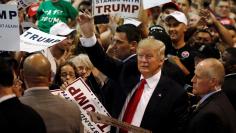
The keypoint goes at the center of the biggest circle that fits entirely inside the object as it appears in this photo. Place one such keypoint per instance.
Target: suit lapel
(158, 94)
(205, 102)
(11, 101)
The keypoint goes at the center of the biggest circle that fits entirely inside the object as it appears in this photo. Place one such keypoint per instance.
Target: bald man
(214, 112)
(59, 115)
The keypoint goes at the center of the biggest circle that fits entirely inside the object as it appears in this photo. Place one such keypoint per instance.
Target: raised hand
(66, 55)
(85, 21)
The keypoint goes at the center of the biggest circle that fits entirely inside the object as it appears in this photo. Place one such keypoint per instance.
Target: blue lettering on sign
(38, 38)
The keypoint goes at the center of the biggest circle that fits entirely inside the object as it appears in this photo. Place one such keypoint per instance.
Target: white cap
(61, 29)
(179, 16)
(132, 21)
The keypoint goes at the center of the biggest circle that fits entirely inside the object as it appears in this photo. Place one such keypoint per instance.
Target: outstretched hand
(85, 21)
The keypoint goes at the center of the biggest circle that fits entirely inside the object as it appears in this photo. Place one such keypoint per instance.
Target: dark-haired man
(229, 61)
(182, 52)
(15, 116)
(184, 5)
(124, 42)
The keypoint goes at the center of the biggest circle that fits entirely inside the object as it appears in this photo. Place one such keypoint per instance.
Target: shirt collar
(152, 81)
(6, 97)
(204, 97)
(36, 88)
(230, 74)
(129, 57)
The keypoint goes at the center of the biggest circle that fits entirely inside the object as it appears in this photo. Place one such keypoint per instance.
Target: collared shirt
(147, 93)
(6, 97)
(204, 97)
(37, 88)
(88, 42)
(48, 54)
(129, 57)
(231, 74)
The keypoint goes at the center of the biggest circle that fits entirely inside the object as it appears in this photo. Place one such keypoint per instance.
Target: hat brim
(66, 32)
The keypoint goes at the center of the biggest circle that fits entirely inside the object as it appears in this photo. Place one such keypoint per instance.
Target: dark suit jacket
(214, 115)
(16, 117)
(230, 89)
(166, 111)
(174, 72)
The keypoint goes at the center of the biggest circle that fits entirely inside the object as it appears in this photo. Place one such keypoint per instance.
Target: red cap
(33, 9)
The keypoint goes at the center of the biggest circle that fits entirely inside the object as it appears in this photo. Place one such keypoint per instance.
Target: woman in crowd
(66, 73)
(89, 74)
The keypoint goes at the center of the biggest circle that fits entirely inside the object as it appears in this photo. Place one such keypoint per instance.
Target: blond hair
(154, 44)
(82, 60)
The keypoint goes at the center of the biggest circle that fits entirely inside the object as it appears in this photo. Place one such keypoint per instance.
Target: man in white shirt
(162, 105)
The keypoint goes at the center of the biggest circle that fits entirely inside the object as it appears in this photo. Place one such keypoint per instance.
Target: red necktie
(133, 103)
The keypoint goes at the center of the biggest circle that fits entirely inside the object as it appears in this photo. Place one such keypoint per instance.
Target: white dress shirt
(6, 97)
(204, 97)
(47, 53)
(88, 42)
(146, 95)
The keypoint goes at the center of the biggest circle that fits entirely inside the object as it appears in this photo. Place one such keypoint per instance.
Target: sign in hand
(99, 118)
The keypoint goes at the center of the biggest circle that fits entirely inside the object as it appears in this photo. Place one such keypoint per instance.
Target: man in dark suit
(214, 112)
(163, 103)
(59, 115)
(229, 61)
(15, 116)
(123, 48)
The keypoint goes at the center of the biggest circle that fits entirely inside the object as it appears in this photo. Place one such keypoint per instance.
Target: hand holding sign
(124, 9)
(25, 3)
(78, 92)
(34, 40)
(99, 118)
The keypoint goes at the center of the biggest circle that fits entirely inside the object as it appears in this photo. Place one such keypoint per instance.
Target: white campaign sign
(9, 28)
(85, 99)
(152, 3)
(124, 8)
(25, 3)
(35, 40)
